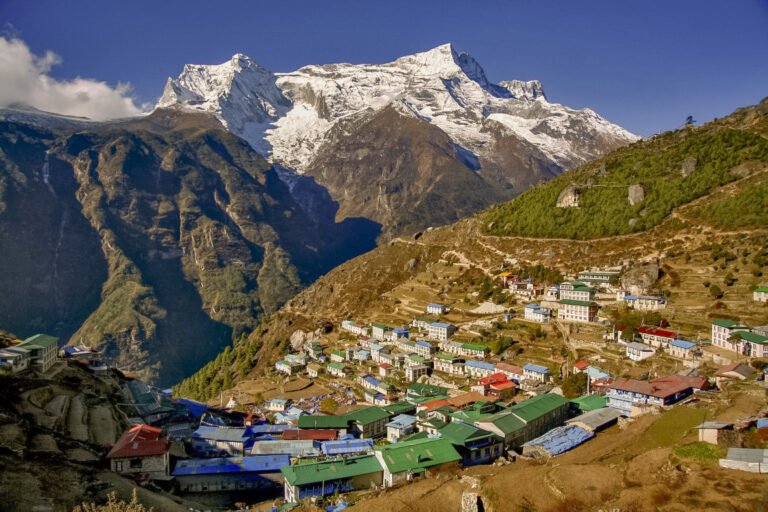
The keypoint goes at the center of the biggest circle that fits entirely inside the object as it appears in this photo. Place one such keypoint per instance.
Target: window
(136, 464)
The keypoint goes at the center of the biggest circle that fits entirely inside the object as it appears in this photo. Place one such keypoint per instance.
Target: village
(434, 395)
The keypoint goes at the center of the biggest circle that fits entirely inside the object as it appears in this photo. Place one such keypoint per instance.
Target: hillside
(694, 249)
(155, 240)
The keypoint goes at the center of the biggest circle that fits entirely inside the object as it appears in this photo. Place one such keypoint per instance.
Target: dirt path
(101, 426)
(76, 419)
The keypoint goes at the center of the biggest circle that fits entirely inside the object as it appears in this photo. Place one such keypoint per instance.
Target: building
(437, 309)
(464, 349)
(380, 331)
(15, 359)
(536, 313)
(760, 294)
(331, 426)
(140, 451)
(230, 473)
(440, 330)
(278, 404)
(400, 332)
(631, 397)
(337, 369)
(723, 330)
(330, 477)
(448, 363)
(655, 337)
(296, 449)
(557, 441)
(354, 328)
(527, 420)
(410, 459)
(648, 303)
(752, 460)
(513, 372)
(682, 349)
(475, 445)
(415, 372)
(735, 371)
(401, 425)
(599, 277)
(424, 348)
(476, 369)
(577, 310)
(368, 422)
(751, 344)
(536, 372)
(314, 370)
(346, 447)
(710, 431)
(42, 351)
(222, 441)
(288, 367)
(639, 351)
(596, 419)
(576, 291)
(526, 290)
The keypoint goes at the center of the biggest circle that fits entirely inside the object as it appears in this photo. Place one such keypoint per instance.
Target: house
(599, 277)
(354, 328)
(368, 422)
(557, 441)
(513, 372)
(230, 473)
(502, 390)
(42, 351)
(723, 330)
(77, 353)
(405, 345)
(338, 356)
(473, 350)
(415, 372)
(314, 350)
(710, 431)
(448, 363)
(552, 294)
(399, 332)
(596, 419)
(415, 360)
(475, 368)
(230, 441)
(372, 383)
(422, 322)
(361, 355)
(15, 359)
(376, 351)
(760, 294)
(751, 344)
(536, 313)
(401, 425)
(380, 331)
(385, 370)
(475, 445)
(508, 277)
(527, 420)
(682, 349)
(290, 416)
(298, 449)
(346, 447)
(337, 425)
(337, 369)
(140, 451)
(424, 348)
(649, 303)
(278, 404)
(639, 351)
(577, 311)
(440, 330)
(314, 370)
(596, 373)
(631, 397)
(419, 393)
(313, 434)
(437, 309)
(580, 366)
(409, 459)
(576, 291)
(655, 337)
(526, 290)
(536, 372)
(330, 477)
(588, 403)
(735, 371)
(752, 460)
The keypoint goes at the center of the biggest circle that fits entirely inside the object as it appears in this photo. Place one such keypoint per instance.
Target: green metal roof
(381, 326)
(470, 346)
(752, 337)
(418, 454)
(416, 358)
(505, 421)
(571, 302)
(426, 389)
(367, 415)
(340, 353)
(39, 341)
(726, 323)
(330, 470)
(590, 402)
(460, 433)
(538, 406)
(763, 289)
(399, 408)
(318, 421)
(446, 356)
(338, 366)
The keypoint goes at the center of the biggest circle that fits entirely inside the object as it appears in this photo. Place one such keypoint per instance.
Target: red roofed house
(580, 366)
(305, 434)
(140, 451)
(502, 390)
(735, 371)
(630, 396)
(654, 337)
(512, 371)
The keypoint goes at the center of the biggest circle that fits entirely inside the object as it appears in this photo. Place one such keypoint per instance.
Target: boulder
(569, 197)
(640, 278)
(635, 194)
(689, 165)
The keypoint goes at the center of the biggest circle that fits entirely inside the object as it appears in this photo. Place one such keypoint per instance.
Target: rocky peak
(524, 90)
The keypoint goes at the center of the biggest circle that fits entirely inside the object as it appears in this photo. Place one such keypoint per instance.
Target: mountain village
(426, 398)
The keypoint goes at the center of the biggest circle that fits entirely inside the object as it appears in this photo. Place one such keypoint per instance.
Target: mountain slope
(308, 121)
(163, 236)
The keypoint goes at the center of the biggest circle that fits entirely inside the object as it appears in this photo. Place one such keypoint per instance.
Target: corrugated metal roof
(347, 446)
(418, 454)
(231, 434)
(561, 439)
(328, 471)
(597, 418)
(536, 368)
(224, 465)
(751, 455)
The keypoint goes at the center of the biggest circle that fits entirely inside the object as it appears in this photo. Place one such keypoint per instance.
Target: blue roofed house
(479, 368)
(400, 332)
(536, 313)
(400, 426)
(347, 447)
(536, 372)
(596, 373)
(682, 349)
(424, 348)
(277, 404)
(230, 473)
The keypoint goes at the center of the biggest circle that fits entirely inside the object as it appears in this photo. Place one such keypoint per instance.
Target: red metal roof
(661, 387)
(385, 365)
(309, 434)
(493, 378)
(139, 441)
(503, 386)
(653, 331)
(509, 368)
(581, 365)
(434, 404)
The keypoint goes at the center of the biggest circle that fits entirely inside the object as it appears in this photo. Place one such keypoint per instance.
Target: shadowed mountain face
(156, 240)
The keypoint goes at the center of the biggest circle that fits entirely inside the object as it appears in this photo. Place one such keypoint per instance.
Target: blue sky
(645, 65)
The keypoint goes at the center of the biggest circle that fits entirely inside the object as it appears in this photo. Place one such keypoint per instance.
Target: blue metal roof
(424, 343)
(223, 433)
(347, 446)
(371, 380)
(687, 345)
(400, 330)
(561, 439)
(441, 325)
(434, 305)
(223, 465)
(536, 368)
(596, 373)
(532, 306)
(375, 346)
(479, 364)
(402, 420)
(267, 428)
(197, 409)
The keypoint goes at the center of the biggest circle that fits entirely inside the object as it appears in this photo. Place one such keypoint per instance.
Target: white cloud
(24, 79)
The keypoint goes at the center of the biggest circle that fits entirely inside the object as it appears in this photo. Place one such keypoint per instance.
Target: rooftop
(330, 470)
(139, 441)
(418, 454)
(223, 465)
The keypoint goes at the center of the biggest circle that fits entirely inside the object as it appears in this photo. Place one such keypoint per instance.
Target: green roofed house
(330, 477)
(527, 420)
(752, 344)
(405, 460)
(318, 421)
(475, 445)
(369, 422)
(337, 369)
(588, 403)
(42, 349)
(400, 408)
(760, 294)
(416, 392)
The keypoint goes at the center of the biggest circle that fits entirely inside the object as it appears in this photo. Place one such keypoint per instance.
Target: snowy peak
(522, 90)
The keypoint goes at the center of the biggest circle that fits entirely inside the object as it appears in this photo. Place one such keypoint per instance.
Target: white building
(414, 372)
(536, 372)
(722, 330)
(639, 351)
(760, 294)
(354, 328)
(448, 363)
(576, 290)
(337, 369)
(424, 348)
(577, 311)
(536, 313)
(437, 309)
(440, 330)
(655, 337)
(42, 351)
(381, 332)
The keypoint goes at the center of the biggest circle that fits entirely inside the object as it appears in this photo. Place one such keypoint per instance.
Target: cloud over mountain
(25, 79)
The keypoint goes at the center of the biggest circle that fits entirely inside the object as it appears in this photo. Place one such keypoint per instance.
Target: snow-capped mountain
(287, 116)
